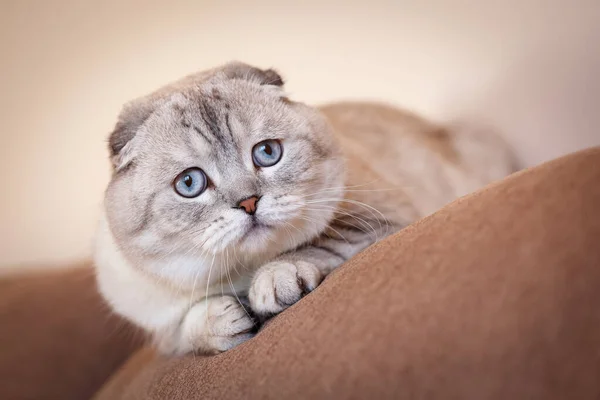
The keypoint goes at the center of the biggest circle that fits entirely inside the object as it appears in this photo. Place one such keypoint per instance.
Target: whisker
(352, 191)
(236, 295)
(305, 235)
(366, 225)
(240, 262)
(316, 221)
(345, 187)
(221, 272)
(207, 286)
(355, 202)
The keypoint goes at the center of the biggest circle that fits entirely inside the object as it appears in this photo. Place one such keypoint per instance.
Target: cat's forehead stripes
(210, 117)
(187, 124)
(213, 126)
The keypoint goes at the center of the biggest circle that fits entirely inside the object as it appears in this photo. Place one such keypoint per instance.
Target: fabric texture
(57, 338)
(495, 296)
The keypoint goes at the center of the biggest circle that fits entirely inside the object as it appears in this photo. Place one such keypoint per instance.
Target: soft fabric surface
(57, 338)
(495, 296)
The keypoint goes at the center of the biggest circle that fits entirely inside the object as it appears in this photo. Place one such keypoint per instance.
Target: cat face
(221, 162)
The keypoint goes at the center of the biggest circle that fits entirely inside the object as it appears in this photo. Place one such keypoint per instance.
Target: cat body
(224, 188)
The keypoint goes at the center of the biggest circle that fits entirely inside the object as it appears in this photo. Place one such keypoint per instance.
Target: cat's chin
(257, 239)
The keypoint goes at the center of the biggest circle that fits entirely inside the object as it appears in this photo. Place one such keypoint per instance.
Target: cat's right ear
(240, 70)
(121, 143)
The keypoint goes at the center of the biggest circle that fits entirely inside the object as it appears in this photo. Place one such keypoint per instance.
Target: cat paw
(216, 325)
(279, 284)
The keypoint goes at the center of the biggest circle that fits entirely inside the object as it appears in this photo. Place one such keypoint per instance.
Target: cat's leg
(283, 281)
(210, 326)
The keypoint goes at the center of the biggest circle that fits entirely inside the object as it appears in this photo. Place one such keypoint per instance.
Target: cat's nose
(248, 204)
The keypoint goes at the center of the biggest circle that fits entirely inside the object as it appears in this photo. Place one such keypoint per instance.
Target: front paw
(279, 284)
(216, 325)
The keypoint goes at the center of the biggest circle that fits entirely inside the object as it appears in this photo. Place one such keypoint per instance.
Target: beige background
(527, 68)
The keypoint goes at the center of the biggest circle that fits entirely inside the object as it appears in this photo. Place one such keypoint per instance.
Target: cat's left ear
(239, 70)
(121, 142)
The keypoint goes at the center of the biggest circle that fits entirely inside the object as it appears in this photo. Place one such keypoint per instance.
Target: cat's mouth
(257, 225)
(256, 229)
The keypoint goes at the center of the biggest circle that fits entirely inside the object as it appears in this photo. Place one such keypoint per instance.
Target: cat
(223, 187)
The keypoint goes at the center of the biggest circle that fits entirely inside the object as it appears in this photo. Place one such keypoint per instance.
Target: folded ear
(239, 70)
(120, 141)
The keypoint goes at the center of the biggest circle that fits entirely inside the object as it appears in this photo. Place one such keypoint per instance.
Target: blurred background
(529, 69)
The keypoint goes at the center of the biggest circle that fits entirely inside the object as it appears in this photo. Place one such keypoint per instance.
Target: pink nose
(249, 204)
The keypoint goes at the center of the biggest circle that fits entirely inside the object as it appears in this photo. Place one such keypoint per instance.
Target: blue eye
(267, 153)
(190, 183)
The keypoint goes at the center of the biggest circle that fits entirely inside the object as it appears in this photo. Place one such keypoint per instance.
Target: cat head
(221, 160)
